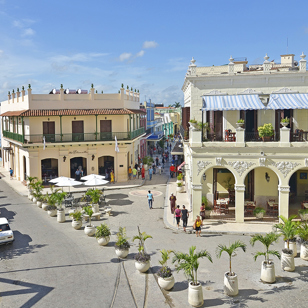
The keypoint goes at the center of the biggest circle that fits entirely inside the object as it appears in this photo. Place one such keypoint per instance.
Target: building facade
(225, 160)
(49, 135)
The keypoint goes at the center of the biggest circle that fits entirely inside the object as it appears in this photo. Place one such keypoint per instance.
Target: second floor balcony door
(49, 131)
(77, 131)
(105, 130)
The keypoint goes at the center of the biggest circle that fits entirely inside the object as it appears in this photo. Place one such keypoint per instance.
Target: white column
(285, 137)
(284, 192)
(266, 65)
(239, 202)
(240, 137)
(302, 63)
(196, 194)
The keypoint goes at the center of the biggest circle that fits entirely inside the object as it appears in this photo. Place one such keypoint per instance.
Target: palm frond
(258, 254)
(274, 253)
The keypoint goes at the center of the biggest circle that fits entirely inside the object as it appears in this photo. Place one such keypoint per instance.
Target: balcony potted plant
(230, 278)
(179, 178)
(285, 122)
(240, 123)
(268, 266)
(102, 234)
(303, 214)
(95, 195)
(266, 131)
(77, 219)
(189, 264)
(60, 212)
(193, 123)
(122, 245)
(165, 277)
(89, 229)
(288, 229)
(259, 212)
(303, 234)
(142, 259)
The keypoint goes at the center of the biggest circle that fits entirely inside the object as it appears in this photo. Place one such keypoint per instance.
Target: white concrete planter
(145, 167)
(52, 213)
(260, 215)
(287, 262)
(179, 181)
(179, 188)
(30, 196)
(107, 210)
(268, 272)
(95, 208)
(142, 267)
(195, 295)
(89, 230)
(292, 246)
(76, 224)
(240, 125)
(44, 206)
(304, 217)
(34, 200)
(103, 241)
(230, 284)
(207, 214)
(60, 216)
(39, 203)
(284, 124)
(304, 252)
(121, 253)
(166, 283)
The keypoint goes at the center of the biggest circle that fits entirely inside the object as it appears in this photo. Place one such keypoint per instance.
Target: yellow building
(49, 135)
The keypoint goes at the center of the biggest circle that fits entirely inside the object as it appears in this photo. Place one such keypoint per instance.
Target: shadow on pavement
(9, 215)
(213, 302)
(39, 291)
(116, 213)
(120, 202)
(116, 196)
(19, 247)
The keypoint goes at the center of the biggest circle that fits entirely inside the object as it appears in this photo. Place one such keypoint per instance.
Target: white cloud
(28, 32)
(149, 44)
(125, 56)
(78, 57)
(140, 53)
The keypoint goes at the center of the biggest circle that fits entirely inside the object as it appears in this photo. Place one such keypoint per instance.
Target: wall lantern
(267, 177)
(93, 156)
(204, 177)
(64, 159)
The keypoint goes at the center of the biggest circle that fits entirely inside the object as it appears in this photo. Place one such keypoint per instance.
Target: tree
(177, 105)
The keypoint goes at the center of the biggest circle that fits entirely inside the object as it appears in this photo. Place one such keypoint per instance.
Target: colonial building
(223, 160)
(49, 135)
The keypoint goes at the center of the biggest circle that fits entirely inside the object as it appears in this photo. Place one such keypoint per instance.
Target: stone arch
(49, 168)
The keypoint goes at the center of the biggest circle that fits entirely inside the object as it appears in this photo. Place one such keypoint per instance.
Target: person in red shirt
(172, 170)
(177, 215)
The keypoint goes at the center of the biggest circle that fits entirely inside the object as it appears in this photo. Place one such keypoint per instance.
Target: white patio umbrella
(68, 183)
(95, 181)
(92, 176)
(58, 179)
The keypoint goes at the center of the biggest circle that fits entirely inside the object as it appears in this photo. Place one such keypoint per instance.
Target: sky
(146, 45)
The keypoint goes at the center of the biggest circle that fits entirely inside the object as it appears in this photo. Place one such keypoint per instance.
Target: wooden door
(215, 183)
(218, 117)
(105, 130)
(49, 131)
(77, 131)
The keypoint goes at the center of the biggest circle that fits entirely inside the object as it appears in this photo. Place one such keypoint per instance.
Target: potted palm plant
(189, 264)
(37, 192)
(95, 195)
(207, 209)
(259, 212)
(288, 229)
(89, 229)
(60, 212)
(266, 131)
(102, 234)
(303, 234)
(30, 182)
(142, 259)
(77, 219)
(230, 279)
(165, 277)
(122, 245)
(268, 266)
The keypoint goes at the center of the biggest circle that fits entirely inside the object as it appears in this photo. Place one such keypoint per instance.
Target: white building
(260, 171)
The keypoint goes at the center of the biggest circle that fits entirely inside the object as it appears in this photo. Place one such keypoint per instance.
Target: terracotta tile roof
(71, 112)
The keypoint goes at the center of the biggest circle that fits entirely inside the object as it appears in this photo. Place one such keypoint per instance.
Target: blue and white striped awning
(288, 101)
(231, 102)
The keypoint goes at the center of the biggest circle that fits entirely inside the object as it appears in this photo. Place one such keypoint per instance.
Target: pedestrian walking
(202, 211)
(138, 172)
(185, 216)
(159, 168)
(172, 203)
(112, 177)
(156, 161)
(150, 173)
(177, 215)
(143, 173)
(163, 162)
(197, 226)
(11, 174)
(172, 170)
(130, 172)
(134, 173)
(150, 199)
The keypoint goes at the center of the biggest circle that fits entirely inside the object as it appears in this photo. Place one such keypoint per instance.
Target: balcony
(79, 137)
